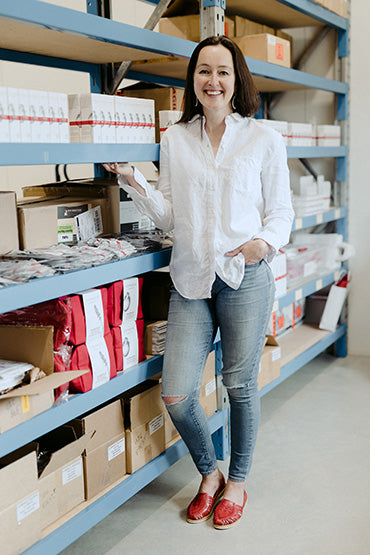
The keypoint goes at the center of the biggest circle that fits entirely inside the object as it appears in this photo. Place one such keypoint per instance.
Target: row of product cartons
(28, 116)
(101, 118)
(306, 134)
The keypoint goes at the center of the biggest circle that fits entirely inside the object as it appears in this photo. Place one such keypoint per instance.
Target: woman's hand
(253, 251)
(120, 168)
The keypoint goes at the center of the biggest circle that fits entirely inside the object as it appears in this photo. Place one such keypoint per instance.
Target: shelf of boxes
(282, 13)
(35, 32)
(65, 531)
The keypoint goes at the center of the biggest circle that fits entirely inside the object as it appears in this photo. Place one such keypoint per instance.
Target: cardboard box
(144, 422)
(244, 26)
(101, 191)
(270, 362)
(34, 345)
(61, 482)
(337, 6)
(266, 47)
(8, 222)
(165, 98)
(105, 457)
(20, 515)
(188, 27)
(208, 393)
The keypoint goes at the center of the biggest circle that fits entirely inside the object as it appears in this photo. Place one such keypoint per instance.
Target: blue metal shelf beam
(38, 290)
(291, 367)
(47, 61)
(315, 284)
(103, 506)
(17, 154)
(329, 216)
(67, 21)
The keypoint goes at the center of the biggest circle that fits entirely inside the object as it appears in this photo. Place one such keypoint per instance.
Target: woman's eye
(224, 73)
(203, 71)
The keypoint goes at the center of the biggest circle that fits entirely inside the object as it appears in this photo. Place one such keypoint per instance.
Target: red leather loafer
(228, 513)
(203, 505)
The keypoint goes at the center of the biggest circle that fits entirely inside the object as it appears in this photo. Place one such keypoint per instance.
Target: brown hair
(246, 99)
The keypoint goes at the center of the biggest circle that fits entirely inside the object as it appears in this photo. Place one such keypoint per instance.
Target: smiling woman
(224, 190)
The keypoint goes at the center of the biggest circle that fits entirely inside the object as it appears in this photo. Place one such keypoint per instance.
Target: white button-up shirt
(214, 204)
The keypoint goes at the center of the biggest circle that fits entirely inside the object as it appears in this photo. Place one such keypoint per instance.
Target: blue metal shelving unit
(64, 23)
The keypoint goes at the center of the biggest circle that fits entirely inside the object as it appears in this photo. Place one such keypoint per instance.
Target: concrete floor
(308, 492)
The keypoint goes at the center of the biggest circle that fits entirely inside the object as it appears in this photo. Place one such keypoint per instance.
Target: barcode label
(156, 424)
(89, 224)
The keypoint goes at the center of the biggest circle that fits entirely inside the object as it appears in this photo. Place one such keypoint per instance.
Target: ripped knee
(174, 400)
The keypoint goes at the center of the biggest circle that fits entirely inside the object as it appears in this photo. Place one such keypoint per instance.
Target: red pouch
(126, 352)
(80, 360)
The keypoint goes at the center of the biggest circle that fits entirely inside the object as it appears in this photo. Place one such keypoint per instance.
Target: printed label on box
(100, 362)
(130, 299)
(210, 387)
(276, 354)
(156, 424)
(279, 51)
(130, 344)
(71, 472)
(28, 506)
(66, 221)
(89, 224)
(25, 403)
(94, 314)
(116, 449)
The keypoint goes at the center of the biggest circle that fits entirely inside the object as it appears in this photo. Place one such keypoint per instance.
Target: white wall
(359, 178)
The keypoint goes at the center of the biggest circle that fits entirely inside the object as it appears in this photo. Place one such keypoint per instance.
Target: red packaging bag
(124, 301)
(96, 356)
(129, 344)
(56, 313)
(89, 315)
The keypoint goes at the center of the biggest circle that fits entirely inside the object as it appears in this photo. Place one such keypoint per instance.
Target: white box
(121, 119)
(92, 117)
(307, 186)
(279, 270)
(149, 123)
(301, 134)
(53, 117)
(62, 117)
(25, 115)
(309, 205)
(14, 115)
(327, 135)
(279, 126)
(167, 118)
(4, 121)
(74, 115)
(108, 133)
(39, 107)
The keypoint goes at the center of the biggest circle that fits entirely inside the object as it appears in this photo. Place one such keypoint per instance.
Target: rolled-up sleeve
(279, 214)
(157, 205)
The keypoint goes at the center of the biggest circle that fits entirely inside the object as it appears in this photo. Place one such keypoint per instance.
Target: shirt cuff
(140, 179)
(265, 236)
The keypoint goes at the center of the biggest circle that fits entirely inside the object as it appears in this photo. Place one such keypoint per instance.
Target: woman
(221, 173)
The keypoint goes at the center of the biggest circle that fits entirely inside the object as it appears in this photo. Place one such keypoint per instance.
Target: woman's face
(214, 79)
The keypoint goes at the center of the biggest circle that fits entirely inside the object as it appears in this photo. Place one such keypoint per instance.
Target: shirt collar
(234, 116)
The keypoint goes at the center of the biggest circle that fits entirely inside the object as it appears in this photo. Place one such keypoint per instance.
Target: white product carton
(279, 126)
(14, 115)
(279, 271)
(307, 186)
(25, 115)
(327, 135)
(74, 116)
(301, 134)
(133, 120)
(324, 188)
(4, 121)
(108, 134)
(310, 205)
(62, 118)
(39, 107)
(167, 118)
(149, 125)
(120, 119)
(92, 117)
(53, 117)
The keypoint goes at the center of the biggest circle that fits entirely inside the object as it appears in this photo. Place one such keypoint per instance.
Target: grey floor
(308, 493)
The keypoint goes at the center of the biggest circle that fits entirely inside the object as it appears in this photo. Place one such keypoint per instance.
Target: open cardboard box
(33, 344)
(270, 362)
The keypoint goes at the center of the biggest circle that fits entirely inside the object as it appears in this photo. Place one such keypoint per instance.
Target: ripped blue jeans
(242, 316)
